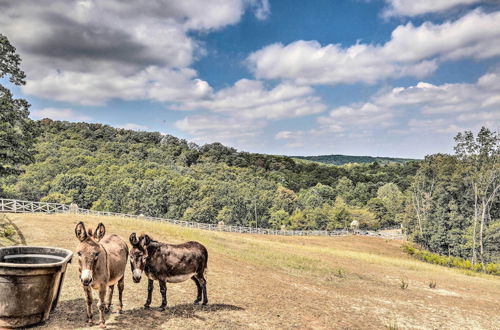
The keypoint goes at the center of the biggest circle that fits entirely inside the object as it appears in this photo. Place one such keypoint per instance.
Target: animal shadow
(155, 318)
(70, 314)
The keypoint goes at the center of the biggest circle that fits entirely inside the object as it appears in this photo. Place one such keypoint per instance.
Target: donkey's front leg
(150, 293)
(88, 302)
(102, 305)
(163, 290)
(109, 298)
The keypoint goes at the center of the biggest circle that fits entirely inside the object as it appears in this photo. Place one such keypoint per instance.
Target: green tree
(340, 217)
(278, 219)
(17, 131)
(392, 197)
(345, 189)
(316, 196)
(481, 157)
(284, 199)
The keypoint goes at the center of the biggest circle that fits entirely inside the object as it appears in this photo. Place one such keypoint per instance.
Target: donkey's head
(138, 255)
(88, 250)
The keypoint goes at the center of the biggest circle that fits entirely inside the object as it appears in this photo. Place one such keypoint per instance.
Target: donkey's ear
(146, 240)
(133, 239)
(99, 232)
(80, 232)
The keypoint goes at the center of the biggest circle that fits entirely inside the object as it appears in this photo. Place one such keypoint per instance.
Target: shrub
(492, 268)
(403, 284)
(455, 262)
(8, 231)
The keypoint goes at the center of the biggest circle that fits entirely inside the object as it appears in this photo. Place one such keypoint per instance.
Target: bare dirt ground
(263, 282)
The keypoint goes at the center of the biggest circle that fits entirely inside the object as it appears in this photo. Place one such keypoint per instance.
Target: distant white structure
(220, 225)
(354, 225)
(73, 208)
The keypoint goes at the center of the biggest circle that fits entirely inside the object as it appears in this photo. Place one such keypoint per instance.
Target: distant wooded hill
(344, 159)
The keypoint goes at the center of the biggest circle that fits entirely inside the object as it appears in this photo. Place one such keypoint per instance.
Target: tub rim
(67, 259)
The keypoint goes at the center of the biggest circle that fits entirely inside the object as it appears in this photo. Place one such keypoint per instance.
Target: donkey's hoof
(196, 302)
(102, 325)
(146, 306)
(162, 308)
(205, 303)
(106, 310)
(89, 323)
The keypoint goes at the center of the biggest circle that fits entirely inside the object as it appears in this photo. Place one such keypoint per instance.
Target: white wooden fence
(16, 206)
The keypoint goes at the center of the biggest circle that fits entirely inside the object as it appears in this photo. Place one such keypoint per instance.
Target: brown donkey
(101, 262)
(168, 263)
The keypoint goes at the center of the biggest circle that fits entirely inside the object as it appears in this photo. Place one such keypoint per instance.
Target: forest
(448, 204)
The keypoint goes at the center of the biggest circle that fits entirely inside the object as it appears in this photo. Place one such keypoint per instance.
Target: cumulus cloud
(60, 114)
(91, 51)
(208, 128)
(241, 111)
(133, 126)
(367, 115)
(411, 51)
(446, 98)
(421, 110)
(420, 7)
(250, 99)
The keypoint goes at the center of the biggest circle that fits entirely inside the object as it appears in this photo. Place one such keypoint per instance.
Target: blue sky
(383, 78)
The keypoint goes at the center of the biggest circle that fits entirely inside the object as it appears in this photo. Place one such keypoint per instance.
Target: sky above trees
(382, 78)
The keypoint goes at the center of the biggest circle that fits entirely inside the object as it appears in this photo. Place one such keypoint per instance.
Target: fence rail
(17, 206)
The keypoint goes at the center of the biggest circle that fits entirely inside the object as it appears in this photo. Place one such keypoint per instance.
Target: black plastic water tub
(30, 282)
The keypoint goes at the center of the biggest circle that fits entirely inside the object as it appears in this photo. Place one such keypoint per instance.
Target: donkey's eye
(79, 253)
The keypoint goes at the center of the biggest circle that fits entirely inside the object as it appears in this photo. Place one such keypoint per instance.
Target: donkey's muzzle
(86, 277)
(86, 282)
(136, 279)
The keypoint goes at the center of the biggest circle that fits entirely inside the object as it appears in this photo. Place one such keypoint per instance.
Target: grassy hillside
(345, 159)
(281, 282)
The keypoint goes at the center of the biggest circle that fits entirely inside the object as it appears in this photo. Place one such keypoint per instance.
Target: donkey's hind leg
(203, 283)
(198, 287)
(121, 285)
(109, 298)
(163, 291)
(150, 293)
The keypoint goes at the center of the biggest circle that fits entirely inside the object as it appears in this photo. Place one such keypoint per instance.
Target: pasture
(257, 281)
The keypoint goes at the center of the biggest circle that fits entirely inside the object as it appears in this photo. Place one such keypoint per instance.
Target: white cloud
(420, 7)
(208, 128)
(412, 51)
(89, 52)
(133, 126)
(240, 112)
(261, 8)
(95, 88)
(60, 114)
(446, 98)
(417, 112)
(367, 115)
(251, 100)
(284, 135)
(307, 62)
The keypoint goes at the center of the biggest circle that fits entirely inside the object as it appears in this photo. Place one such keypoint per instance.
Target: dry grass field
(280, 282)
